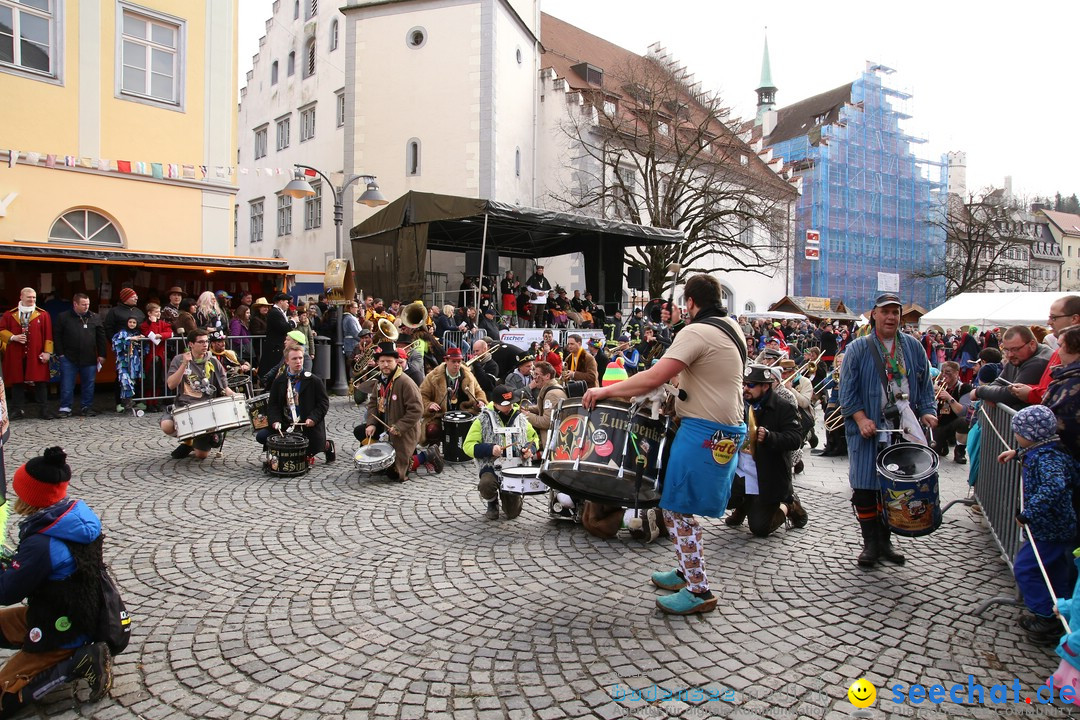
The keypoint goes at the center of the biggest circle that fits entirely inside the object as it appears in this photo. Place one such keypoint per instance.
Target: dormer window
(589, 73)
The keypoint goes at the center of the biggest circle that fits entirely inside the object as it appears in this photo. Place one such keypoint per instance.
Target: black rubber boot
(871, 550)
(888, 552)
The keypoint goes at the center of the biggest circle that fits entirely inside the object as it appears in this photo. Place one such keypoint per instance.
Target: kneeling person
(492, 438)
(762, 489)
(197, 377)
(57, 570)
(299, 398)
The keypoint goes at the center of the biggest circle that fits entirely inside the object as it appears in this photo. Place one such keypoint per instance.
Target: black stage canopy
(389, 248)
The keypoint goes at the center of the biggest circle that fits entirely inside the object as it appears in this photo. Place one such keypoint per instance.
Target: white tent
(990, 310)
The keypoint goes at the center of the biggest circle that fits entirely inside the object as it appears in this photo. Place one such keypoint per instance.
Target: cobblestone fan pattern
(340, 596)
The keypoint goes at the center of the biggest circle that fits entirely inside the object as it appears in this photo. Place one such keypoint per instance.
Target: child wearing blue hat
(1050, 477)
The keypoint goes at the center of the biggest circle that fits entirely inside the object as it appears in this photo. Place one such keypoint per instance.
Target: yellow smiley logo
(862, 693)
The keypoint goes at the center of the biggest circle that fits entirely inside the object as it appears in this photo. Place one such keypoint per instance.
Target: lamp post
(300, 189)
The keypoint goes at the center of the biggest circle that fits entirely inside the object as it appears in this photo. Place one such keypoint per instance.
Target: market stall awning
(137, 258)
(816, 309)
(390, 246)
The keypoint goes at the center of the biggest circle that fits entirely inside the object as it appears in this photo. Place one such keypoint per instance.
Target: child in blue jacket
(57, 570)
(1049, 478)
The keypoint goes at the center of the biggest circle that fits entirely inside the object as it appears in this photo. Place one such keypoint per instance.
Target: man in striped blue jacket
(868, 403)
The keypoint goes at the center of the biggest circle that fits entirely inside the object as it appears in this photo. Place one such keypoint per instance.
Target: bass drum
(607, 455)
(287, 455)
(456, 424)
(909, 489)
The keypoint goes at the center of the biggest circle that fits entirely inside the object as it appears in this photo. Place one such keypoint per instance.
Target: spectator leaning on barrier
(1063, 394)
(1026, 361)
(1064, 314)
(1049, 478)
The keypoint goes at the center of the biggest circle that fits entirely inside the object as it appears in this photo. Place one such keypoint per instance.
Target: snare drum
(287, 454)
(375, 457)
(223, 413)
(256, 408)
(909, 489)
(456, 424)
(597, 455)
(521, 480)
(240, 384)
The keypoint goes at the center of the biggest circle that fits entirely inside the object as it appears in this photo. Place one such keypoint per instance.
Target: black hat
(759, 374)
(772, 353)
(887, 299)
(502, 396)
(524, 358)
(278, 297)
(216, 335)
(387, 349)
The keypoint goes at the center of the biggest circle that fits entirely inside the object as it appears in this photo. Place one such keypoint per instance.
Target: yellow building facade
(118, 129)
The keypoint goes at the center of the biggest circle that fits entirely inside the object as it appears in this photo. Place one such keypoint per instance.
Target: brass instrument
(835, 377)
(491, 347)
(362, 360)
(373, 372)
(385, 331)
(751, 430)
(939, 385)
(414, 314)
(835, 420)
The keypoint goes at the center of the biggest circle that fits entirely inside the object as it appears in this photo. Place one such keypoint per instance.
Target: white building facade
(292, 112)
(444, 96)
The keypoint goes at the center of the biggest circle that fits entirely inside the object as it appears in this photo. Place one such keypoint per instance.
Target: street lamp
(299, 188)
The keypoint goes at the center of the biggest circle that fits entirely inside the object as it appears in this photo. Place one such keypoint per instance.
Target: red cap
(453, 354)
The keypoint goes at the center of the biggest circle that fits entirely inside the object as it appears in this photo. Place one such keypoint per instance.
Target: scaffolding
(872, 199)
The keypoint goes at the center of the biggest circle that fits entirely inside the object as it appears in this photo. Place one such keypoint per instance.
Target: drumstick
(388, 428)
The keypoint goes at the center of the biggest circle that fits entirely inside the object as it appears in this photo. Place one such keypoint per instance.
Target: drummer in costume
(450, 386)
(708, 355)
(906, 399)
(762, 490)
(395, 401)
(197, 377)
(492, 449)
(298, 398)
(579, 364)
(232, 364)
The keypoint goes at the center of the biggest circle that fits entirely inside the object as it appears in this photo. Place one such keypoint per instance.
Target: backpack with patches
(114, 623)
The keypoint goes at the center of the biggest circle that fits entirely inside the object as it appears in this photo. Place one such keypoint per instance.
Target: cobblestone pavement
(336, 595)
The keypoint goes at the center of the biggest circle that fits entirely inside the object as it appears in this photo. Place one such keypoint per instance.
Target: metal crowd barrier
(150, 387)
(998, 490)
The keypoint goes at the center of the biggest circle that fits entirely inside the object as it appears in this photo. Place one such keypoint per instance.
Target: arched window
(296, 10)
(290, 67)
(333, 35)
(85, 226)
(412, 157)
(273, 73)
(727, 296)
(309, 65)
(749, 307)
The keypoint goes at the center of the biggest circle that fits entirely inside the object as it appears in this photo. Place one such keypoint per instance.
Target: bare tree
(983, 233)
(649, 149)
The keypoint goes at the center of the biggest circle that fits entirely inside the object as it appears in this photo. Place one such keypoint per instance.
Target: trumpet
(939, 385)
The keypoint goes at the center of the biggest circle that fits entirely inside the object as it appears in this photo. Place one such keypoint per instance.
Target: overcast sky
(997, 81)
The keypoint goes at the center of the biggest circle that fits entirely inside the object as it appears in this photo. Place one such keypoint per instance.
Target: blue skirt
(701, 466)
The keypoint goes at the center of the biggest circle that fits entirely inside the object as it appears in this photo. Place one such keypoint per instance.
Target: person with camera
(886, 386)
